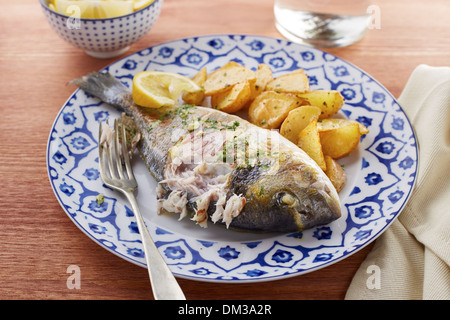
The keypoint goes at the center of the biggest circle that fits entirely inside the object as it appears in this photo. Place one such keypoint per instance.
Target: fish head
(296, 195)
(291, 196)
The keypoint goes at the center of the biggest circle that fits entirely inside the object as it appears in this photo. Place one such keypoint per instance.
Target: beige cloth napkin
(411, 259)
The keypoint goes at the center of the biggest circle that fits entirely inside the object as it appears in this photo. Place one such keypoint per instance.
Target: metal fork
(113, 157)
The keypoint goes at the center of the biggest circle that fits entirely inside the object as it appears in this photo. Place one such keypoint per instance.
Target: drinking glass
(322, 23)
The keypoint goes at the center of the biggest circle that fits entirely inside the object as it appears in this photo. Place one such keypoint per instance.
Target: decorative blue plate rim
(381, 174)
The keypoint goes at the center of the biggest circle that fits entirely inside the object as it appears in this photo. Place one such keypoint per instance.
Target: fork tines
(114, 159)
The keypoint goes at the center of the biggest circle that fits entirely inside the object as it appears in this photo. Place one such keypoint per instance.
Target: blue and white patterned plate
(380, 174)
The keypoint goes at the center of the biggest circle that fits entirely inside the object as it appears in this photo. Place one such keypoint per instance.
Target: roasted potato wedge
(309, 141)
(330, 101)
(333, 124)
(263, 77)
(341, 141)
(335, 173)
(231, 73)
(297, 120)
(269, 109)
(293, 82)
(285, 102)
(196, 98)
(234, 99)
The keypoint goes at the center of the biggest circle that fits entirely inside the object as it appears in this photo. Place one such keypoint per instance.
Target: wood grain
(37, 239)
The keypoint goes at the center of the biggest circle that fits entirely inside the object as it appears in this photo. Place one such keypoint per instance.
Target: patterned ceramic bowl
(104, 38)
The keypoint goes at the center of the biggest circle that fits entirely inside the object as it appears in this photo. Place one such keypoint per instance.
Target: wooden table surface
(37, 239)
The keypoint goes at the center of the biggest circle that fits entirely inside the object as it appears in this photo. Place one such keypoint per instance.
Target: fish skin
(285, 191)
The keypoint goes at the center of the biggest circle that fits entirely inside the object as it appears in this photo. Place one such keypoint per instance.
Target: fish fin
(105, 87)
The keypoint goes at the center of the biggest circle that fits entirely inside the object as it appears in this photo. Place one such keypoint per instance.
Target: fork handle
(164, 284)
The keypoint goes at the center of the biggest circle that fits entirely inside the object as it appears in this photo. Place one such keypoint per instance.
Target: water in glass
(322, 23)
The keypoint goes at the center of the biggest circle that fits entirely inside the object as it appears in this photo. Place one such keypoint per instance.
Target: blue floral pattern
(381, 174)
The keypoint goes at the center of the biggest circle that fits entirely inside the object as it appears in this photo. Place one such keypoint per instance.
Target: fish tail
(107, 88)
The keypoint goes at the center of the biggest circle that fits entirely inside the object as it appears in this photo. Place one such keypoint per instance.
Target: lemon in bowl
(102, 28)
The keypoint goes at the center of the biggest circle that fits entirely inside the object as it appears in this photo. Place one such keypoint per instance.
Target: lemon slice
(75, 9)
(155, 89)
(94, 9)
(139, 4)
(114, 8)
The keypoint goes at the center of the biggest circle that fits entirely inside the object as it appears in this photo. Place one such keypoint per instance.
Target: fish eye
(286, 198)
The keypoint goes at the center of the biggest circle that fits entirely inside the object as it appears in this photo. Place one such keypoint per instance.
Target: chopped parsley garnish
(232, 126)
(165, 115)
(211, 123)
(100, 199)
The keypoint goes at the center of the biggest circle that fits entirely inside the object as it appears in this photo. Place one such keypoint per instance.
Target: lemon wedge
(139, 4)
(116, 8)
(94, 9)
(155, 89)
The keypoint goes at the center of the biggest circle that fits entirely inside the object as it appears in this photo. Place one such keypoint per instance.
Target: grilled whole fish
(215, 166)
